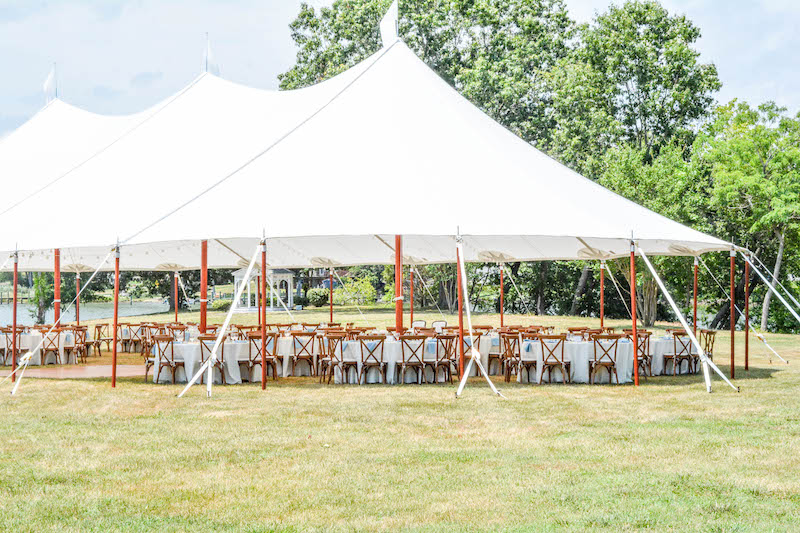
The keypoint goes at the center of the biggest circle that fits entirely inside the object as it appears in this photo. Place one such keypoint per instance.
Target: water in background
(89, 311)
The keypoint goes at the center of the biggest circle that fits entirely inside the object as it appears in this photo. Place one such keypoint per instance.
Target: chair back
(207, 343)
(474, 343)
(178, 331)
(101, 331)
(163, 345)
(446, 348)
(419, 324)
(643, 343)
(552, 348)
(270, 339)
(310, 327)
(371, 348)
(608, 331)
(589, 334)
(511, 345)
(334, 345)
(135, 331)
(52, 340)
(605, 348)
(303, 343)
(439, 325)
(428, 332)
(412, 348)
(80, 335)
(707, 337)
(681, 343)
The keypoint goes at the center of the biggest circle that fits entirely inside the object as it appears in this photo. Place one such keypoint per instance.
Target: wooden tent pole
(694, 306)
(398, 284)
(262, 311)
(746, 316)
(14, 321)
(57, 287)
(203, 286)
(460, 317)
(116, 319)
(602, 293)
(633, 317)
(502, 293)
(733, 312)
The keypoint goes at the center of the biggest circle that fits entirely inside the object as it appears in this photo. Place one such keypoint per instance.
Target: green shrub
(221, 305)
(355, 291)
(318, 297)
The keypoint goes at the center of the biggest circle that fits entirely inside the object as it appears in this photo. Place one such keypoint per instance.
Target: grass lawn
(75, 455)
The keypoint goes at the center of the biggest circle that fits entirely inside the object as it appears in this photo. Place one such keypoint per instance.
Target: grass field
(76, 455)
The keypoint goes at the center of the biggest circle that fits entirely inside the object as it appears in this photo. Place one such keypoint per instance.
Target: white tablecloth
(579, 354)
(235, 353)
(29, 341)
(660, 346)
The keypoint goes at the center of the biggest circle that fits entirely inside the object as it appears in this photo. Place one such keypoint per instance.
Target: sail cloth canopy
(329, 174)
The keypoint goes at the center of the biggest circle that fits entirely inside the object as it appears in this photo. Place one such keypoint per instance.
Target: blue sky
(121, 56)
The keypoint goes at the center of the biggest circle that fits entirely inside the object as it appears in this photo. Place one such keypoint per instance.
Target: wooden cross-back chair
(303, 349)
(553, 357)
(412, 352)
(605, 356)
(681, 351)
(101, 335)
(707, 338)
(270, 356)
(164, 346)
(445, 356)
(371, 355)
(511, 354)
(135, 336)
(178, 331)
(51, 344)
(8, 343)
(80, 348)
(470, 344)
(207, 343)
(643, 356)
(123, 341)
(332, 357)
(589, 333)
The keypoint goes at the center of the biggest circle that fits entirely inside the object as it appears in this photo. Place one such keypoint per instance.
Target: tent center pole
(330, 294)
(602, 293)
(694, 305)
(78, 299)
(633, 317)
(460, 316)
(203, 286)
(56, 286)
(116, 320)
(262, 311)
(398, 284)
(14, 321)
(411, 292)
(175, 293)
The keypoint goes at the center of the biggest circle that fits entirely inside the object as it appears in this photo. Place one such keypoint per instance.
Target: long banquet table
(30, 342)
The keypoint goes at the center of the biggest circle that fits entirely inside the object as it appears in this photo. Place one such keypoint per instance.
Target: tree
(648, 73)
(754, 159)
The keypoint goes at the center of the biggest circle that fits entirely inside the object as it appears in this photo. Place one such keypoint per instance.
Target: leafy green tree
(754, 159)
(648, 73)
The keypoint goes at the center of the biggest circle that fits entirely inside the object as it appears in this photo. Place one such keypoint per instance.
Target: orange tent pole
(57, 287)
(116, 320)
(602, 293)
(502, 291)
(330, 294)
(694, 319)
(262, 311)
(78, 298)
(746, 316)
(398, 284)
(633, 317)
(203, 286)
(733, 312)
(14, 321)
(460, 317)
(411, 289)
(175, 287)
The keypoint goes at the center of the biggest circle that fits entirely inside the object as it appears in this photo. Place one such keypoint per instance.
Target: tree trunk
(579, 290)
(775, 273)
(647, 300)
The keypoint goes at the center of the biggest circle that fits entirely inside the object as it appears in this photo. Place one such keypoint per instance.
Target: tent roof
(385, 148)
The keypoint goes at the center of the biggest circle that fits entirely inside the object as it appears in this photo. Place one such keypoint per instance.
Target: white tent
(385, 148)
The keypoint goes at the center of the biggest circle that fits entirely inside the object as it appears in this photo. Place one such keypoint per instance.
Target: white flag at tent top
(50, 86)
(211, 65)
(389, 29)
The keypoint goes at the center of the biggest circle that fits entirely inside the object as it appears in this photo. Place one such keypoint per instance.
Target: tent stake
(116, 319)
(203, 286)
(633, 316)
(733, 312)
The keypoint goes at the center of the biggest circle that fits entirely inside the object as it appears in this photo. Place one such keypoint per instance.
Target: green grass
(76, 455)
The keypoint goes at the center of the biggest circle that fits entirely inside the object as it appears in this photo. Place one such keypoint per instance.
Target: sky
(122, 56)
